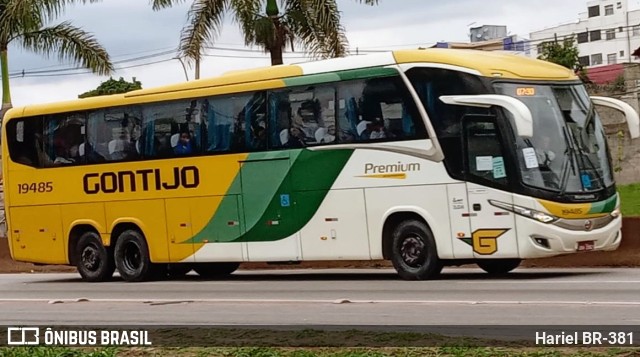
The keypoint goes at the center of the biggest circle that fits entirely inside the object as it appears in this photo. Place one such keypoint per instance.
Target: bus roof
(483, 63)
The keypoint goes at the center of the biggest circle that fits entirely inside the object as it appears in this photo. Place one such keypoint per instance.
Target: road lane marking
(333, 301)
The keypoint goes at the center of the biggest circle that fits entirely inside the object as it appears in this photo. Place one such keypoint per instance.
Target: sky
(142, 42)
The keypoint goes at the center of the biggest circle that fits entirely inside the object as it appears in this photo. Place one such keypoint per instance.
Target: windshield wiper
(570, 163)
(585, 157)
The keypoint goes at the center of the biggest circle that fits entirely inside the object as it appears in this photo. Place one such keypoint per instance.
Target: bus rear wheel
(414, 254)
(215, 270)
(94, 262)
(499, 266)
(132, 257)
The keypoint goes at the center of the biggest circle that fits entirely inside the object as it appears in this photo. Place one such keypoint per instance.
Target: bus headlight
(615, 213)
(526, 212)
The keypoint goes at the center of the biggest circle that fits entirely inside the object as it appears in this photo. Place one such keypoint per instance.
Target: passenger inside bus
(184, 144)
(295, 138)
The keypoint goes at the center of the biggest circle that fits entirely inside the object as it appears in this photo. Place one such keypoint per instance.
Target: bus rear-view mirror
(633, 121)
(520, 112)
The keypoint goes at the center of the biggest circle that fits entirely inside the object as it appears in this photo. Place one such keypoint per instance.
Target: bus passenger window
(170, 129)
(387, 112)
(303, 116)
(63, 134)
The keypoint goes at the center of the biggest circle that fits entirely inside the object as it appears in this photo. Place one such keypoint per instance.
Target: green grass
(312, 343)
(319, 352)
(630, 199)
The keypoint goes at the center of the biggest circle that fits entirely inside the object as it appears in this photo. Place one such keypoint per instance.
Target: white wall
(624, 41)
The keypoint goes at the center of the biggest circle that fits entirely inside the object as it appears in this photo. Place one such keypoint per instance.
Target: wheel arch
(395, 216)
(78, 228)
(122, 225)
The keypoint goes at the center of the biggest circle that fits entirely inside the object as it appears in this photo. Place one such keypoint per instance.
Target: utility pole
(626, 12)
(198, 67)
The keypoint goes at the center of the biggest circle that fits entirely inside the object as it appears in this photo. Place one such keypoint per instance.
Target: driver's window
(484, 150)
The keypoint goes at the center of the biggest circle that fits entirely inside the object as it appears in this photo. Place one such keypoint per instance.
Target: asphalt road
(334, 297)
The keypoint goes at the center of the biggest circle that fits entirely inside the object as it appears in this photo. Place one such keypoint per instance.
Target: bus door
(493, 233)
(268, 208)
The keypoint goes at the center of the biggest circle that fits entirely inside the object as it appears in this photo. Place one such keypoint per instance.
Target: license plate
(586, 246)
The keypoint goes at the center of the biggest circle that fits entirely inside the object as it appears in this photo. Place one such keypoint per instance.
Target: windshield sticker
(586, 181)
(498, 168)
(484, 163)
(525, 91)
(530, 158)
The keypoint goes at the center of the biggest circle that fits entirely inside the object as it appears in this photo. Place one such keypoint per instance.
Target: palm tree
(314, 24)
(23, 22)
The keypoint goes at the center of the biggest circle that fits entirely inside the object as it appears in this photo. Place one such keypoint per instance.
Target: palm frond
(316, 25)
(71, 44)
(17, 17)
(204, 22)
(45, 10)
(246, 13)
(163, 4)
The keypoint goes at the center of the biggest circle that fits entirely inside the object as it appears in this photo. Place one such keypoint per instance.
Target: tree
(565, 54)
(314, 24)
(113, 87)
(23, 22)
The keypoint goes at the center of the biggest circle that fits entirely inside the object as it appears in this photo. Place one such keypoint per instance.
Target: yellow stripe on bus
(570, 210)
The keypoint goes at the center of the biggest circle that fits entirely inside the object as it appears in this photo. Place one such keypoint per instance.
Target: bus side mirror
(633, 121)
(520, 112)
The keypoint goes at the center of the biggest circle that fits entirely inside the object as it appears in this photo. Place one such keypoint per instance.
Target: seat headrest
(117, 145)
(284, 136)
(320, 133)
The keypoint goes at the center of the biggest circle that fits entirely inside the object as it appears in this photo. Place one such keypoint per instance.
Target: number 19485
(35, 187)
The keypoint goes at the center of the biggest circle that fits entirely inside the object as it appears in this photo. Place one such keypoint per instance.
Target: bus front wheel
(414, 254)
(93, 260)
(215, 270)
(499, 266)
(132, 257)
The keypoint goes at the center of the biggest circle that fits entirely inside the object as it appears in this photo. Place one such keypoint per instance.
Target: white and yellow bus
(426, 158)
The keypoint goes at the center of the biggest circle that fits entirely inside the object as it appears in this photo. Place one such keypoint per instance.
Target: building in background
(606, 34)
(490, 38)
(487, 32)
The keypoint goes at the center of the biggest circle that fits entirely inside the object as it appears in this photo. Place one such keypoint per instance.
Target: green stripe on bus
(311, 79)
(340, 76)
(312, 175)
(605, 206)
(277, 202)
(258, 180)
(367, 73)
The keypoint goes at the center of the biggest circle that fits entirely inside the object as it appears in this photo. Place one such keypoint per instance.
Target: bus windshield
(568, 151)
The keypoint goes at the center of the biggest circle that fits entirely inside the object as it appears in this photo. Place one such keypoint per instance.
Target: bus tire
(414, 254)
(499, 266)
(132, 257)
(215, 270)
(93, 261)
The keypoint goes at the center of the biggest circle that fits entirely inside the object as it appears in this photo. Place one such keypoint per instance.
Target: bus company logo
(23, 336)
(141, 180)
(588, 225)
(484, 241)
(391, 171)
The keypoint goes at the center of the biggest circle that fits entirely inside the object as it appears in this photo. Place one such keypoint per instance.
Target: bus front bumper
(541, 240)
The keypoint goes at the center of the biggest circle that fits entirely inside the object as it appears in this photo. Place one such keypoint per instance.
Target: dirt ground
(628, 255)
